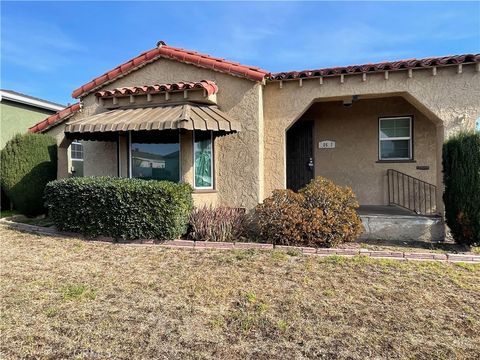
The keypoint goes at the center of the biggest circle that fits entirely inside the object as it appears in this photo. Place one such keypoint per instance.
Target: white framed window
(203, 160)
(76, 151)
(395, 138)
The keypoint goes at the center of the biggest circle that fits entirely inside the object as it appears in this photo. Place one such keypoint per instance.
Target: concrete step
(402, 227)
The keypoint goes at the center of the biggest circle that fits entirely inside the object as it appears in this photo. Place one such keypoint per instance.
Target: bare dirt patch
(67, 298)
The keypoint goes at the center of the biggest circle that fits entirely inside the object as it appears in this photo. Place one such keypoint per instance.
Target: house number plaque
(326, 144)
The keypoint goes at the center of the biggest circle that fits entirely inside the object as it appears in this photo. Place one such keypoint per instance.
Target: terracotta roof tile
(55, 118)
(182, 55)
(391, 65)
(207, 85)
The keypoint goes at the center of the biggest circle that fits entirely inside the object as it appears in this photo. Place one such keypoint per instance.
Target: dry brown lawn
(68, 298)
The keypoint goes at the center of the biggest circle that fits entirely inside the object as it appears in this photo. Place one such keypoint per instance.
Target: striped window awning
(188, 116)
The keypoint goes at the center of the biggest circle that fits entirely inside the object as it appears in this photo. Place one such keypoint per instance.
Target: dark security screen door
(299, 155)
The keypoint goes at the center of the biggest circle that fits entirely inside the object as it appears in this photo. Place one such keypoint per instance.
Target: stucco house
(237, 132)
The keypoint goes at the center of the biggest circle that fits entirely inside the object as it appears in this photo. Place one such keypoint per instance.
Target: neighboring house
(19, 112)
(237, 132)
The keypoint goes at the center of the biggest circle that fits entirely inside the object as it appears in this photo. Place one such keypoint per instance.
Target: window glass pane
(156, 161)
(386, 132)
(395, 149)
(76, 151)
(203, 159)
(394, 128)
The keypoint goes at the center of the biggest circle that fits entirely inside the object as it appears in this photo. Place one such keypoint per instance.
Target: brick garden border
(205, 245)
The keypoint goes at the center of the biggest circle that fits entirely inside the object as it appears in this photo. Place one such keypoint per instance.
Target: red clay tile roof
(207, 85)
(383, 66)
(55, 118)
(182, 55)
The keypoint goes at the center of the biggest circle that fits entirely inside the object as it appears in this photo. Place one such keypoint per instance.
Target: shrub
(332, 212)
(320, 214)
(119, 208)
(217, 223)
(461, 176)
(28, 163)
(280, 218)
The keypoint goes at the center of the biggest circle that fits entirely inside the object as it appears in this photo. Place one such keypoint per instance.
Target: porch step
(402, 227)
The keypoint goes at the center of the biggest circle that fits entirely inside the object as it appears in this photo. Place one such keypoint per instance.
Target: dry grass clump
(221, 223)
(67, 298)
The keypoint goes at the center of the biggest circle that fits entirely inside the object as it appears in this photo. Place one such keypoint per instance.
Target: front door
(299, 155)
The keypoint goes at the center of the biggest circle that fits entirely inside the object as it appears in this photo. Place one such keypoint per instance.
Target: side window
(77, 151)
(76, 154)
(395, 138)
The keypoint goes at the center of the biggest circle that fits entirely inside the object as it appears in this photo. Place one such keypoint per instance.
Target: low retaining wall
(202, 245)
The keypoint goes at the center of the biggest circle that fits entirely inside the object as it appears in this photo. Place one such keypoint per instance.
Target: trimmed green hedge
(28, 163)
(461, 176)
(120, 208)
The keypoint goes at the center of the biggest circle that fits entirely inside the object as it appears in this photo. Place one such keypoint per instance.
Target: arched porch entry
(355, 143)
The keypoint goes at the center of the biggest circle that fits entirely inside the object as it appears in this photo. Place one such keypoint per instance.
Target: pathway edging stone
(203, 245)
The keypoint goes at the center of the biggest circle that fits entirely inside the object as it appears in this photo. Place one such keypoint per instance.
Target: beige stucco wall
(449, 99)
(239, 170)
(64, 162)
(354, 160)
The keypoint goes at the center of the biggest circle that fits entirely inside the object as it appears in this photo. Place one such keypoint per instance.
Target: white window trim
(410, 138)
(75, 143)
(212, 168)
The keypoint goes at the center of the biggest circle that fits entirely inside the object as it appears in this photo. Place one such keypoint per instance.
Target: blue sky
(50, 48)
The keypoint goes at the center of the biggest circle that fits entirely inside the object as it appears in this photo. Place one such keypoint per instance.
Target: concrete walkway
(202, 245)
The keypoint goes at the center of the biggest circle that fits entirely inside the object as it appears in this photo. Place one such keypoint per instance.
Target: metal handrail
(411, 193)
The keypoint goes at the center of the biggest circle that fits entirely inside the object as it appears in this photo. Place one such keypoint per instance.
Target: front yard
(67, 298)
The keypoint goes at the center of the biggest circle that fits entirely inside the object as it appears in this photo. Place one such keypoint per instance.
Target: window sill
(205, 191)
(395, 161)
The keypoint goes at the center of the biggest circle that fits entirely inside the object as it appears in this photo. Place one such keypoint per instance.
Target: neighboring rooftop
(15, 96)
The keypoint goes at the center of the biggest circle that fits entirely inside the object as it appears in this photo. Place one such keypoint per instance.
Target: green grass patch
(78, 292)
(7, 213)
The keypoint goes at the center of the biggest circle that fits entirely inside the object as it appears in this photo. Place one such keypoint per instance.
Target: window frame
(71, 150)
(212, 166)
(130, 164)
(409, 138)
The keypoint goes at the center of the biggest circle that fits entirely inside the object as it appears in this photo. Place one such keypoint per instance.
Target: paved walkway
(202, 245)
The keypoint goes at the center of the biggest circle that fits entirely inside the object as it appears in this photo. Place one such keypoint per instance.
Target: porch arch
(429, 147)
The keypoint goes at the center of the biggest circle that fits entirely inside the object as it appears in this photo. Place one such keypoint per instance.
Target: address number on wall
(326, 144)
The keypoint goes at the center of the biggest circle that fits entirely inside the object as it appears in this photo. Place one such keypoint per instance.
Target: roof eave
(29, 101)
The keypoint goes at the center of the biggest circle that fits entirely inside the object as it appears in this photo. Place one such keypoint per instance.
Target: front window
(156, 161)
(203, 159)
(395, 138)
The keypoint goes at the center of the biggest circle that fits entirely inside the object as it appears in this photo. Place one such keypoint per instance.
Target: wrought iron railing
(411, 193)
